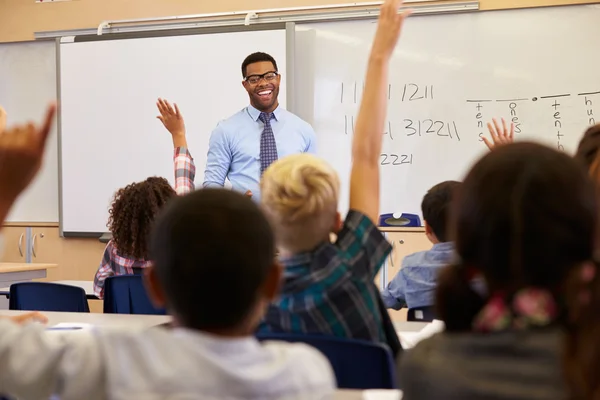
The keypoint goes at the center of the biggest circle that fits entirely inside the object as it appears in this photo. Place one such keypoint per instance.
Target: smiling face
(262, 87)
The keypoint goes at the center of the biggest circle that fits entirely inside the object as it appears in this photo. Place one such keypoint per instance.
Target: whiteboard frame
(289, 77)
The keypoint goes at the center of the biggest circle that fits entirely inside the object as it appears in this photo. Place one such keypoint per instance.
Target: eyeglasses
(267, 76)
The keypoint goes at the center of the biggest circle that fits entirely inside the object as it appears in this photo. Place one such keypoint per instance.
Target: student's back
(414, 284)
(523, 221)
(501, 366)
(199, 242)
(158, 364)
(329, 287)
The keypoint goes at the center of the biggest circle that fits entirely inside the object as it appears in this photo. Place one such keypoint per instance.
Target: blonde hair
(299, 195)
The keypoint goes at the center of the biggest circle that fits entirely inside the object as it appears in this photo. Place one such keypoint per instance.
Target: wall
(19, 19)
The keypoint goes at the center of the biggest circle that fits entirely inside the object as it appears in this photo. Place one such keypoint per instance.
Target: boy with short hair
(329, 287)
(199, 243)
(414, 285)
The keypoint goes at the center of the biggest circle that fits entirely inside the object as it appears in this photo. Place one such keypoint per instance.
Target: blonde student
(135, 206)
(200, 241)
(328, 287)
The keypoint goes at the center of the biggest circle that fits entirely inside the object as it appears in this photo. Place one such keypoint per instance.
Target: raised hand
(172, 119)
(21, 153)
(500, 135)
(389, 28)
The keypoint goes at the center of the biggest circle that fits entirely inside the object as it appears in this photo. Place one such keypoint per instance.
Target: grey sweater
(500, 366)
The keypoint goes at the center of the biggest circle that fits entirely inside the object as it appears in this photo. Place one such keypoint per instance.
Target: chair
(421, 314)
(357, 364)
(126, 294)
(45, 296)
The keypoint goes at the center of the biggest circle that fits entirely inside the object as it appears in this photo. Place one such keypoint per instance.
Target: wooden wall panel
(19, 19)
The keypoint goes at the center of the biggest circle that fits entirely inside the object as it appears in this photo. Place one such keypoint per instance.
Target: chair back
(421, 314)
(126, 294)
(357, 364)
(46, 296)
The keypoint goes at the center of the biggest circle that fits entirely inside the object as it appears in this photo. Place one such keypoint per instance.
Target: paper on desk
(410, 339)
(381, 394)
(70, 326)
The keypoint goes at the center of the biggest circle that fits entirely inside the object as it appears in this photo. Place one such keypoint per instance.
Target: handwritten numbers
(412, 92)
(396, 159)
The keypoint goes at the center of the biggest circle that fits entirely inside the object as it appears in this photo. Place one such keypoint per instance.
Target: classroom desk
(88, 286)
(100, 320)
(20, 272)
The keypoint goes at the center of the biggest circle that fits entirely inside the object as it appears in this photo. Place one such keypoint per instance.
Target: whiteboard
(27, 86)
(110, 136)
(450, 74)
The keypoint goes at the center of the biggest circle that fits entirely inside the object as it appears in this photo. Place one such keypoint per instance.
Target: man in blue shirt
(414, 285)
(245, 144)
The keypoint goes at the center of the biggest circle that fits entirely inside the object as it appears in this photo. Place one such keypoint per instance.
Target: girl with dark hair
(525, 221)
(135, 206)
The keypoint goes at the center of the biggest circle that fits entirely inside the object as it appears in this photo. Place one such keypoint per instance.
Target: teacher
(243, 146)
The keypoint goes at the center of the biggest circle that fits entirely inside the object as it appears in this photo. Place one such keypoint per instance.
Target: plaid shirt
(115, 264)
(331, 290)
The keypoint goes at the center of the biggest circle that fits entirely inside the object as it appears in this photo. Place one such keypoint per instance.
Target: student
(134, 207)
(414, 285)
(524, 219)
(329, 287)
(200, 242)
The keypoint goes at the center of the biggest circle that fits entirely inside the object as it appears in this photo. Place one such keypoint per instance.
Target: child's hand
(29, 317)
(500, 135)
(172, 119)
(2, 119)
(388, 28)
(21, 153)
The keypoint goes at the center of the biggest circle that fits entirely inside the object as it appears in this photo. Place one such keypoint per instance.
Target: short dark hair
(212, 251)
(255, 58)
(436, 205)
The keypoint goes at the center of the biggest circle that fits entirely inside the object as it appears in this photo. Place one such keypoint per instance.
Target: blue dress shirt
(234, 147)
(414, 285)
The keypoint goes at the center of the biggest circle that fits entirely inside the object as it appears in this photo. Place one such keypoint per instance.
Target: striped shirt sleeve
(185, 171)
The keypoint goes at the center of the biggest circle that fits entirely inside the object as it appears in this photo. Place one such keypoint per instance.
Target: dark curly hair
(132, 214)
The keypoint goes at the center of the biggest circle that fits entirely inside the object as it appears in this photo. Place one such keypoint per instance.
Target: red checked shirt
(114, 264)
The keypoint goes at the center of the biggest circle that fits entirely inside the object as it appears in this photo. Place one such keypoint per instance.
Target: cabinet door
(45, 246)
(14, 244)
(403, 244)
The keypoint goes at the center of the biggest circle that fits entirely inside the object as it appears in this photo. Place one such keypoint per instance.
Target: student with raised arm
(135, 206)
(199, 242)
(328, 287)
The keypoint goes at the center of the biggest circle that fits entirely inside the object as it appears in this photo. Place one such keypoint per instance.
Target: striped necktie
(268, 147)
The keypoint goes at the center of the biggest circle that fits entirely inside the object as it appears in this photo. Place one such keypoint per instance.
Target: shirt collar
(443, 246)
(255, 113)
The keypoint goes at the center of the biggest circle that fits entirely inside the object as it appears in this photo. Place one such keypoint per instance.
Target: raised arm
(185, 169)
(366, 147)
(218, 159)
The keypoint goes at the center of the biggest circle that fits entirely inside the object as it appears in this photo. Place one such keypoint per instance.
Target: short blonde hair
(299, 195)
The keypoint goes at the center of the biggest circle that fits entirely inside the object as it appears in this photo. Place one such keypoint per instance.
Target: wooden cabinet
(46, 246)
(14, 244)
